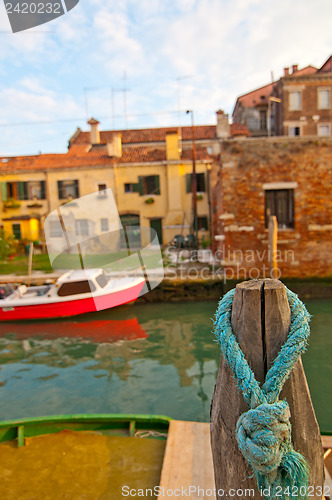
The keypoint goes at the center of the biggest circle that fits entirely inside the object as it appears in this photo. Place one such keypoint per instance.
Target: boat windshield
(76, 287)
(102, 280)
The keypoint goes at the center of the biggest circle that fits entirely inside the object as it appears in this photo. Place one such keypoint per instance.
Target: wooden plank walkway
(187, 463)
(188, 466)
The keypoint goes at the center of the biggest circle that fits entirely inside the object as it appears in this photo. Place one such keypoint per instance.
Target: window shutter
(42, 190)
(4, 191)
(188, 182)
(291, 208)
(60, 190)
(141, 185)
(157, 185)
(201, 182)
(20, 186)
(77, 193)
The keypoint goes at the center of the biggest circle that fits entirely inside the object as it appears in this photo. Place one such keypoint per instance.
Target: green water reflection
(158, 358)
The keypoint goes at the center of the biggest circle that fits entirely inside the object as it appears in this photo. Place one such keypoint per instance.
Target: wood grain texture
(260, 340)
(187, 462)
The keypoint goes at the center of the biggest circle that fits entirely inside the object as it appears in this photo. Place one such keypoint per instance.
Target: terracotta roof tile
(147, 135)
(239, 129)
(256, 97)
(308, 70)
(81, 156)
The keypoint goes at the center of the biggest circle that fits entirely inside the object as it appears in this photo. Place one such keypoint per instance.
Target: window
(294, 101)
(323, 98)
(146, 185)
(202, 223)
(150, 184)
(23, 190)
(263, 119)
(129, 188)
(102, 280)
(294, 131)
(200, 183)
(323, 129)
(102, 193)
(36, 190)
(280, 202)
(82, 227)
(55, 229)
(104, 224)
(68, 189)
(76, 287)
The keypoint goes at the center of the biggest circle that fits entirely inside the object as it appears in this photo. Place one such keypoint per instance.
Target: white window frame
(328, 125)
(104, 224)
(293, 127)
(294, 106)
(323, 105)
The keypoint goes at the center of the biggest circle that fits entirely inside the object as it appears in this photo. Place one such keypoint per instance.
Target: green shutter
(157, 185)
(4, 191)
(42, 190)
(141, 185)
(188, 182)
(60, 190)
(20, 189)
(77, 192)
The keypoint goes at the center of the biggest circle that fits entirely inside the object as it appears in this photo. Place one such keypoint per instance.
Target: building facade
(148, 171)
(305, 102)
(253, 110)
(298, 104)
(290, 178)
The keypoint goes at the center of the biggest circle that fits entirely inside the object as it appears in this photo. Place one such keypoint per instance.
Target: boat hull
(74, 307)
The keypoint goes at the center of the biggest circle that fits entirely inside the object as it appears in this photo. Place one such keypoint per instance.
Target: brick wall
(240, 236)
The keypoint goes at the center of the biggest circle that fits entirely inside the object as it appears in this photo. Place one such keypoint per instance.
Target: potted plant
(11, 203)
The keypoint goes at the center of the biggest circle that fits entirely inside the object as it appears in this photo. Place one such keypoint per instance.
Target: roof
(21, 217)
(82, 155)
(308, 70)
(256, 97)
(146, 135)
(239, 129)
(327, 66)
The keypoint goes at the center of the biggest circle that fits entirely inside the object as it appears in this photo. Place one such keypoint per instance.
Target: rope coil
(264, 432)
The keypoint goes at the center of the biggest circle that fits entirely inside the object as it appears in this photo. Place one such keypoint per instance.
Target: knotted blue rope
(264, 432)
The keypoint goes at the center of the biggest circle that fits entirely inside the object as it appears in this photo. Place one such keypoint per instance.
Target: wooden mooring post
(260, 323)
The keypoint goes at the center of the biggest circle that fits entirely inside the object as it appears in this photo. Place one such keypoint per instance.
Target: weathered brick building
(287, 177)
(305, 106)
(297, 104)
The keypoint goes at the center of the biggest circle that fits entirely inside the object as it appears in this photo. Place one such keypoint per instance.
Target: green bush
(8, 245)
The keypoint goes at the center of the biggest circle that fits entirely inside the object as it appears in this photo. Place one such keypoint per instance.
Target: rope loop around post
(264, 432)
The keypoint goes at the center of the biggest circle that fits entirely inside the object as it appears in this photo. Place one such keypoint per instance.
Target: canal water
(152, 359)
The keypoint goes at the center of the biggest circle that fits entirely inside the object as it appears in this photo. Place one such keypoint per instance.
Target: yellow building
(148, 171)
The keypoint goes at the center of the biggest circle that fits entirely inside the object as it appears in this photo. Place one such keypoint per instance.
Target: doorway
(157, 226)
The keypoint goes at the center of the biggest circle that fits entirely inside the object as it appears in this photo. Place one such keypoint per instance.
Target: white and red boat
(75, 292)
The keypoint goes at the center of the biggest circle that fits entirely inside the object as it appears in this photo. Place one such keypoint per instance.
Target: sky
(170, 56)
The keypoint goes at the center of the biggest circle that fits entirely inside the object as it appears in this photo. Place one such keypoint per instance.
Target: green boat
(84, 456)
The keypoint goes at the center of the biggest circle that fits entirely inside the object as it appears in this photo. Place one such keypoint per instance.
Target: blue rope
(264, 432)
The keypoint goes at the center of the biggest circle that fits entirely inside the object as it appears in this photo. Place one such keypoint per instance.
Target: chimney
(286, 71)
(94, 132)
(223, 130)
(295, 68)
(114, 148)
(173, 149)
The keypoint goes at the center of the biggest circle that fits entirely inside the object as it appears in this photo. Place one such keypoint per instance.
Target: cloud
(227, 47)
